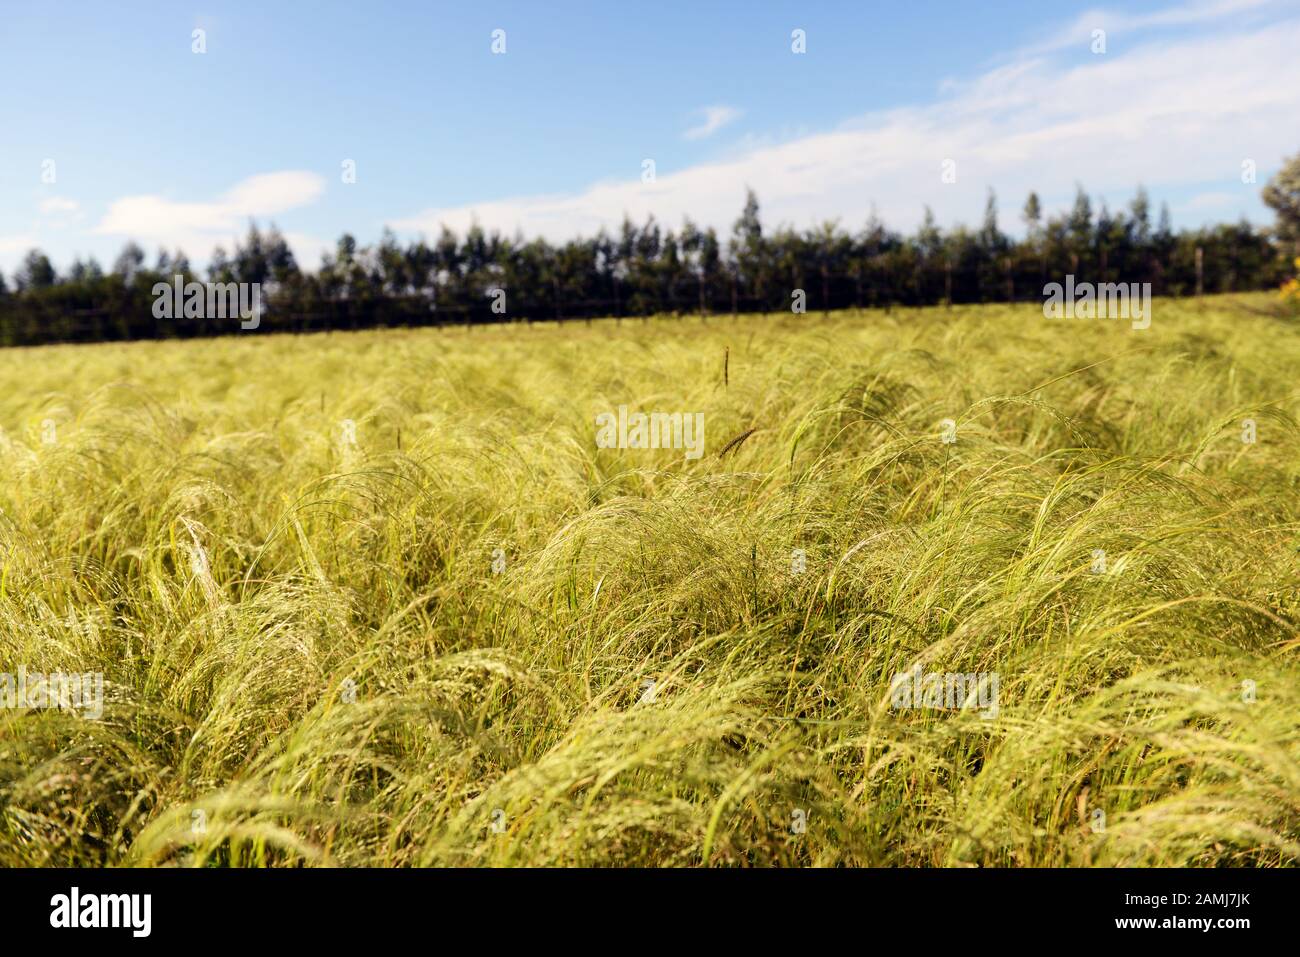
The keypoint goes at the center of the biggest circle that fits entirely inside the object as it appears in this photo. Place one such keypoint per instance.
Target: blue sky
(154, 142)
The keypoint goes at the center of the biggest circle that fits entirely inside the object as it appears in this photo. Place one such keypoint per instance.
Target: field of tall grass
(378, 598)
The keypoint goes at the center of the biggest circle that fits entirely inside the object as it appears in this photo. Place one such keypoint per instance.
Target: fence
(128, 314)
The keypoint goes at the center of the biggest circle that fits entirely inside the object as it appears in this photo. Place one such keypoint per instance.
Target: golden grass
(308, 658)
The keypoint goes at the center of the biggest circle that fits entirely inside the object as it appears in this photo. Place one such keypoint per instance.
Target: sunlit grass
(305, 642)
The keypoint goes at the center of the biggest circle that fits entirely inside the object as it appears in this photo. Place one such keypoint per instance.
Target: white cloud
(197, 227)
(59, 205)
(714, 119)
(1177, 113)
(12, 246)
(308, 250)
(1079, 32)
(273, 193)
(1210, 201)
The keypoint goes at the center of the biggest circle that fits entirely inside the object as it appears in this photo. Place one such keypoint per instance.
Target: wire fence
(129, 315)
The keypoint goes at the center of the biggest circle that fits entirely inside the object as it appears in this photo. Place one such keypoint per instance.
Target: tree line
(645, 269)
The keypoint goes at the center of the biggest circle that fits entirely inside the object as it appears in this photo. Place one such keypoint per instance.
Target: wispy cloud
(197, 227)
(14, 245)
(1176, 114)
(1209, 201)
(714, 118)
(59, 205)
(1079, 31)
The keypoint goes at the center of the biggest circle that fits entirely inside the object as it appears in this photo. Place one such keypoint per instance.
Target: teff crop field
(379, 599)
